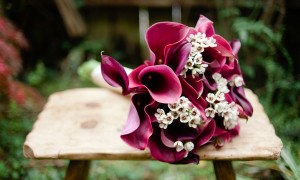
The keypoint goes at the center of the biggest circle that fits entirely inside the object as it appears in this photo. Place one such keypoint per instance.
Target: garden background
(48, 46)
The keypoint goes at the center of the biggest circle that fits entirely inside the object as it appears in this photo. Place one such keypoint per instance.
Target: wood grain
(86, 124)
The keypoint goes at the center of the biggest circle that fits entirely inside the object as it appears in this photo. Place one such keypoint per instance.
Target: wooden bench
(85, 124)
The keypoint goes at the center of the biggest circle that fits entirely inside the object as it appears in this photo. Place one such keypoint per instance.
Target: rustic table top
(86, 123)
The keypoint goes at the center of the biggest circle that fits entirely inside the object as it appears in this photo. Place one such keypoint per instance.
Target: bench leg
(78, 169)
(224, 170)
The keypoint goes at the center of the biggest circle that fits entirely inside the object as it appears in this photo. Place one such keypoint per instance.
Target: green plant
(288, 166)
(13, 129)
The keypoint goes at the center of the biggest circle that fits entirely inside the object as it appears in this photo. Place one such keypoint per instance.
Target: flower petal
(114, 74)
(206, 134)
(204, 25)
(223, 46)
(181, 132)
(134, 76)
(191, 158)
(165, 140)
(161, 152)
(238, 95)
(162, 34)
(162, 83)
(177, 55)
(193, 96)
(235, 45)
(138, 127)
(221, 137)
(196, 83)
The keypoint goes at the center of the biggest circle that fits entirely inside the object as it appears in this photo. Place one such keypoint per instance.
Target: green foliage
(36, 76)
(149, 170)
(289, 168)
(267, 67)
(12, 159)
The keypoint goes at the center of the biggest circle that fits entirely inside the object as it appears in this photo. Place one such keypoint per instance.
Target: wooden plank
(78, 169)
(86, 124)
(224, 170)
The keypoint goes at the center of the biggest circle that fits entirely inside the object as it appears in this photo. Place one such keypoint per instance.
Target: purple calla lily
(206, 134)
(160, 35)
(204, 25)
(160, 151)
(138, 127)
(114, 74)
(161, 82)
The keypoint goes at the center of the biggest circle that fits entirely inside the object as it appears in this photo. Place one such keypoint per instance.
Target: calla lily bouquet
(190, 93)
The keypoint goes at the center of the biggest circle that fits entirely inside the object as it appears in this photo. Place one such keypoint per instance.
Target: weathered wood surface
(86, 124)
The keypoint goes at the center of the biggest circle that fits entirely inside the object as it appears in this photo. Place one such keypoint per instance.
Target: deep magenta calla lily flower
(138, 127)
(160, 81)
(114, 74)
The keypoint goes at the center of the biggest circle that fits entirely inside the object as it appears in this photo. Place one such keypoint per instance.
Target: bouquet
(190, 93)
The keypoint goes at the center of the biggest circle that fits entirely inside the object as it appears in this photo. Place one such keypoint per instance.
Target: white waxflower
(175, 114)
(233, 106)
(217, 77)
(162, 118)
(228, 115)
(198, 59)
(182, 108)
(222, 82)
(204, 43)
(189, 64)
(200, 48)
(179, 146)
(182, 100)
(184, 117)
(183, 72)
(159, 112)
(194, 48)
(238, 81)
(200, 36)
(219, 107)
(200, 70)
(194, 112)
(212, 42)
(195, 121)
(194, 72)
(189, 146)
(222, 85)
(231, 83)
(210, 112)
(220, 96)
(230, 124)
(169, 118)
(210, 98)
(173, 106)
(163, 125)
(191, 38)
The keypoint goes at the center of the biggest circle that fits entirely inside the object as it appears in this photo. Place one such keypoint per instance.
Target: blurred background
(52, 45)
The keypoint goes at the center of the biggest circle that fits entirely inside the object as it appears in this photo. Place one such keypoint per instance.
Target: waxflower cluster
(188, 94)
(183, 110)
(195, 63)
